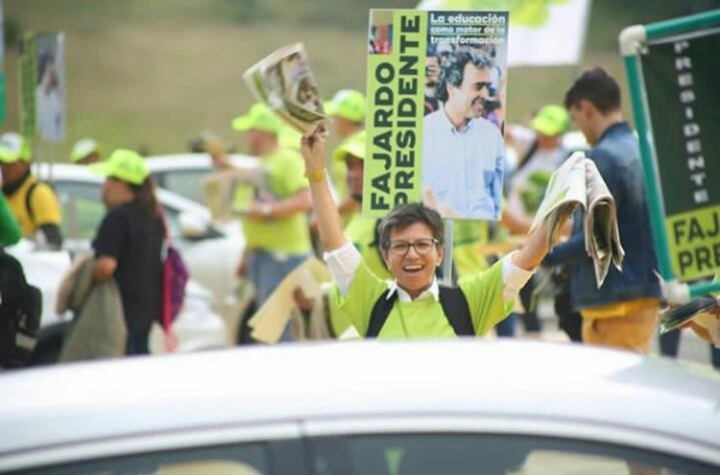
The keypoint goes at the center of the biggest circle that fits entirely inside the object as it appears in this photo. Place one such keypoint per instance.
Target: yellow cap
(83, 148)
(14, 148)
(124, 165)
(259, 117)
(353, 145)
(551, 120)
(348, 104)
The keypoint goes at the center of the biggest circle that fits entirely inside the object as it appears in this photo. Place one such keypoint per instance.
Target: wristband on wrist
(315, 175)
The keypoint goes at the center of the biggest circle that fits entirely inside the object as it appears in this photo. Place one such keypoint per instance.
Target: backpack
(452, 300)
(20, 313)
(175, 277)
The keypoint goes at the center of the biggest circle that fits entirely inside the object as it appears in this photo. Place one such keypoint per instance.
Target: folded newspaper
(577, 182)
(284, 81)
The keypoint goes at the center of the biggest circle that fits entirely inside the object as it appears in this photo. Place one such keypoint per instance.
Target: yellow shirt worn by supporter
(467, 235)
(361, 233)
(424, 317)
(284, 179)
(43, 203)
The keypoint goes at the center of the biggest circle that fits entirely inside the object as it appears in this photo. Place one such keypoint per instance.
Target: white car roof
(80, 173)
(508, 382)
(191, 161)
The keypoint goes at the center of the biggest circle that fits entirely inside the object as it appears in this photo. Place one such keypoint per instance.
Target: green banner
(680, 77)
(395, 97)
(28, 73)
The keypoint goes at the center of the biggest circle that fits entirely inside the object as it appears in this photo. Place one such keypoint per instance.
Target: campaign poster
(50, 87)
(680, 75)
(436, 108)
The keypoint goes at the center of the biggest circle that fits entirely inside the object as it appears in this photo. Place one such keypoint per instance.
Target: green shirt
(424, 317)
(284, 179)
(9, 227)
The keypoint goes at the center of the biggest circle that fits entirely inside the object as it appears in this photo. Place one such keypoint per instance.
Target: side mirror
(193, 225)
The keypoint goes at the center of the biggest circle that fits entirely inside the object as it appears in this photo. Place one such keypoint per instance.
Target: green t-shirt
(424, 318)
(467, 236)
(361, 233)
(284, 179)
(9, 227)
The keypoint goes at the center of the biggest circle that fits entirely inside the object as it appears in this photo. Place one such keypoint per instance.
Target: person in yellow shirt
(32, 202)
(275, 222)
(85, 152)
(347, 109)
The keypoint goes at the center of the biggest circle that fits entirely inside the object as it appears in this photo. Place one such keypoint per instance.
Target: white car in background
(211, 254)
(366, 408)
(183, 173)
(197, 327)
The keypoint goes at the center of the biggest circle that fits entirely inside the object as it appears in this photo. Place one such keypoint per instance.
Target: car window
(187, 183)
(82, 209)
(251, 459)
(426, 454)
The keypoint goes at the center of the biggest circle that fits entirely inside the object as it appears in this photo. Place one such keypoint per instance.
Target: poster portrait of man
(463, 148)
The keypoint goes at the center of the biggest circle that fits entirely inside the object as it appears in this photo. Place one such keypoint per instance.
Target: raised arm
(535, 248)
(326, 213)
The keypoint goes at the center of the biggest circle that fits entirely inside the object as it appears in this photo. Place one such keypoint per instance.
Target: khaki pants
(633, 332)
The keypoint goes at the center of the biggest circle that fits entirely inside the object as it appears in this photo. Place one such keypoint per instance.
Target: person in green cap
(85, 151)
(541, 153)
(347, 109)
(129, 241)
(32, 202)
(275, 223)
(411, 240)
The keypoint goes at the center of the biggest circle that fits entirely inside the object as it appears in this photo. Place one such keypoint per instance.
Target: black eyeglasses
(422, 246)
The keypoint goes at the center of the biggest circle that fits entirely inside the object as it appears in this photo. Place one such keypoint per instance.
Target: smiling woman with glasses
(414, 305)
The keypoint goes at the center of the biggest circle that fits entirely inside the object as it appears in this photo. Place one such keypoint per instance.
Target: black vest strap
(452, 300)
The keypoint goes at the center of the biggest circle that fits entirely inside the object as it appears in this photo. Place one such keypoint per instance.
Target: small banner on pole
(27, 71)
(50, 89)
(680, 75)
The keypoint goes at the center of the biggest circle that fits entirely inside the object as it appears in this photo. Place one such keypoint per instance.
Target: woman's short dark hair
(598, 87)
(408, 214)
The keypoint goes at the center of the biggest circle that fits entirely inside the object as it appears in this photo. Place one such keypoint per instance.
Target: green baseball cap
(124, 165)
(551, 120)
(14, 148)
(259, 117)
(353, 145)
(83, 148)
(349, 104)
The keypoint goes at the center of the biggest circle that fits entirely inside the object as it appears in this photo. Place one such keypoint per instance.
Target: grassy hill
(150, 74)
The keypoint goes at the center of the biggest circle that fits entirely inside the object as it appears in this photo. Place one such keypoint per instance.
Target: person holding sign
(413, 305)
(275, 219)
(624, 312)
(463, 153)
